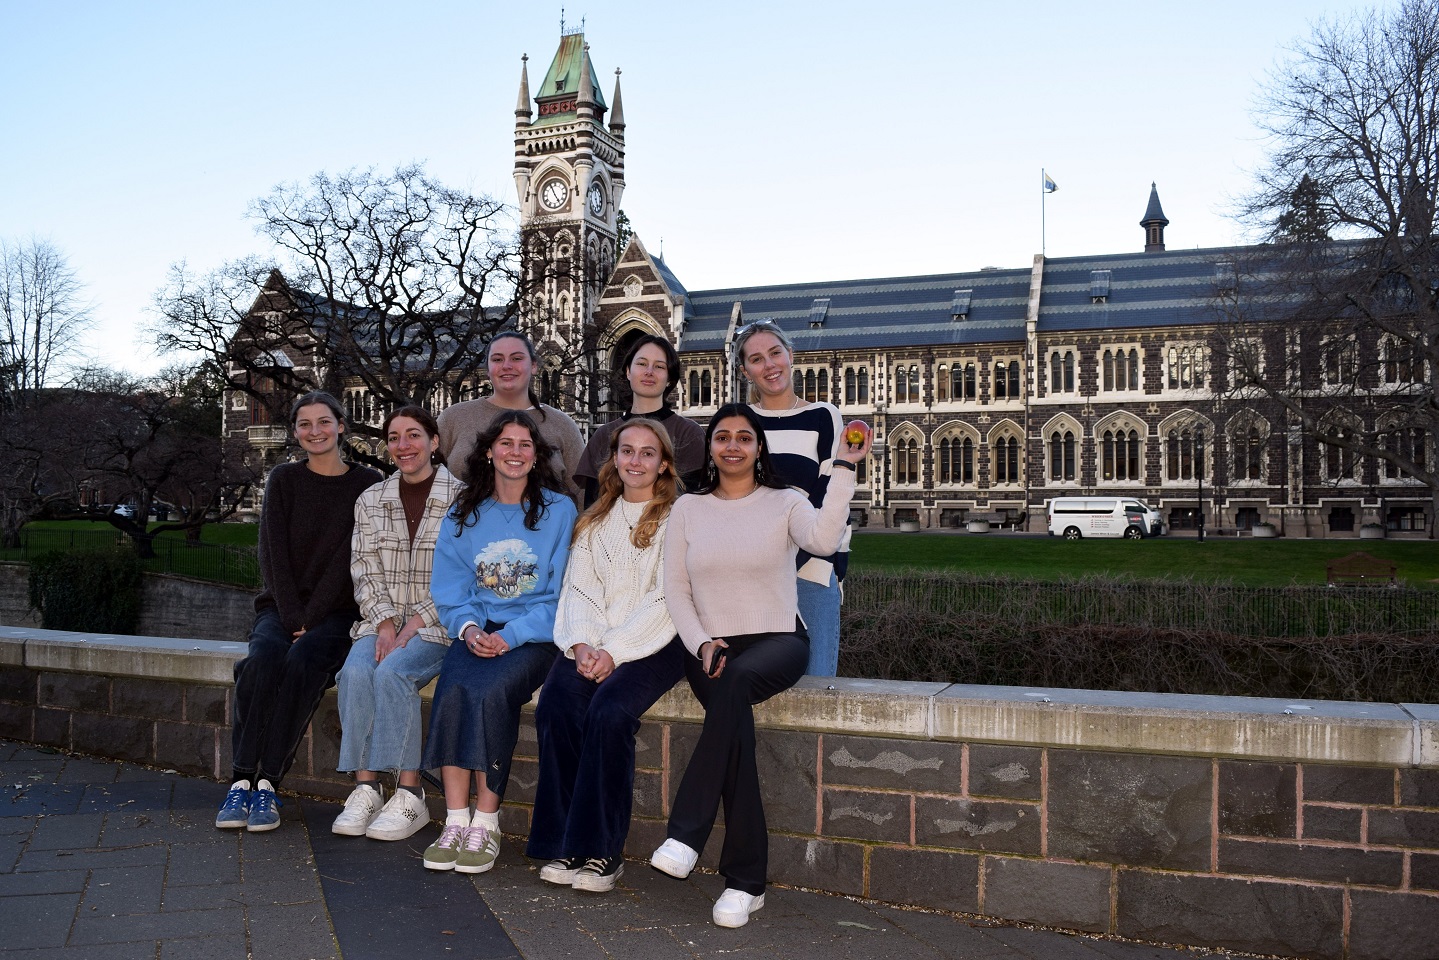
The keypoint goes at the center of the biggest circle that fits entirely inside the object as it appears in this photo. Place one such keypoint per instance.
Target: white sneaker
(401, 819)
(733, 908)
(674, 858)
(361, 807)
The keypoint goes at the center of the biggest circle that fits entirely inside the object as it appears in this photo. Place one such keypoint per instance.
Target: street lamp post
(1199, 474)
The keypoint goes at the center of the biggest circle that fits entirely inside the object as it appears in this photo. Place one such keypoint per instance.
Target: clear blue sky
(766, 142)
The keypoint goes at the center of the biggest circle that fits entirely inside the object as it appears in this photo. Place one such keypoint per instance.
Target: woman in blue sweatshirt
(499, 564)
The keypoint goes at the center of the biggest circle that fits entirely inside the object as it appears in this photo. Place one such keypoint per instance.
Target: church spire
(522, 105)
(617, 112)
(1154, 222)
(585, 96)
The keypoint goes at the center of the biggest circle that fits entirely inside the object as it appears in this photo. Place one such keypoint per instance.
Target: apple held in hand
(855, 432)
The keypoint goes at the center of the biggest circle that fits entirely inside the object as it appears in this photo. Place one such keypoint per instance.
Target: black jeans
(277, 688)
(723, 766)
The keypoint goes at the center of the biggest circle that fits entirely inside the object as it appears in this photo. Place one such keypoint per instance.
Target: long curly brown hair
(668, 486)
(541, 479)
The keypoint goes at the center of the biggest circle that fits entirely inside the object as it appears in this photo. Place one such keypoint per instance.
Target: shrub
(94, 591)
(1158, 637)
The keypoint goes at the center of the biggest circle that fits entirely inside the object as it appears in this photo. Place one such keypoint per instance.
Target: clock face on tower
(554, 193)
(597, 199)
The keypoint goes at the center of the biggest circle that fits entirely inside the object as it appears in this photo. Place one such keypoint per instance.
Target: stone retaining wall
(1303, 828)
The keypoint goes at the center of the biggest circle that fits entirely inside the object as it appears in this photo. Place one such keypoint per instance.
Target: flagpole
(1042, 224)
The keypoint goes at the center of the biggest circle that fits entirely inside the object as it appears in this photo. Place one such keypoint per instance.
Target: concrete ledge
(1318, 731)
(1322, 731)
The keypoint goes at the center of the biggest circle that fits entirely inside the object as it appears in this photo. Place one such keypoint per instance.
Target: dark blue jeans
(277, 688)
(475, 713)
(587, 753)
(723, 766)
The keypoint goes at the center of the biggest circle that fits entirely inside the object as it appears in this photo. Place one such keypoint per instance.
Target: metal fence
(204, 561)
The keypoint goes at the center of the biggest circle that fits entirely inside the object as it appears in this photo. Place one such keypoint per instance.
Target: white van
(1075, 517)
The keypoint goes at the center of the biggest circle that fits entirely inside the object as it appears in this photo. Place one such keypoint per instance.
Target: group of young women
(488, 578)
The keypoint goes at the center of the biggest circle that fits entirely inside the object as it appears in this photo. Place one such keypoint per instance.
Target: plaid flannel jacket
(392, 577)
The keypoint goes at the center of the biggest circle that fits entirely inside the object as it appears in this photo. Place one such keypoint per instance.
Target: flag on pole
(1049, 185)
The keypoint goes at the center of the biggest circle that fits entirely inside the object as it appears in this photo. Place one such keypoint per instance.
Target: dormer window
(1099, 286)
(817, 313)
(959, 309)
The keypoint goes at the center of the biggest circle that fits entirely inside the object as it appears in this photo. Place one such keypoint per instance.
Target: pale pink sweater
(729, 564)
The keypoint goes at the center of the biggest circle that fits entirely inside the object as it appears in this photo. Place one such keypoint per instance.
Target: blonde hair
(611, 488)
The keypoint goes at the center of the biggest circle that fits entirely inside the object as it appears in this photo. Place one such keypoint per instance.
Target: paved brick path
(102, 860)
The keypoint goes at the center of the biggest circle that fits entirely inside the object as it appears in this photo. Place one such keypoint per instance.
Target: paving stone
(977, 825)
(788, 773)
(1405, 828)
(67, 832)
(1289, 919)
(291, 930)
(11, 846)
(135, 773)
(42, 920)
(209, 948)
(912, 766)
(74, 691)
(1419, 788)
(148, 699)
(226, 921)
(1069, 895)
(191, 863)
(125, 890)
(1130, 810)
(948, 936)
(43, 799)
(1308, 862)
(818, 864)
(1043, 945)
(47, 881)
(88, 771)
(207, 704)
(926, 878)
(866, 815)
(1333, 823)
(1258, 799)
(142, 826)
(151, 795)
(1392, 926)
(1335, 784)
(19, 826)
(100, 858)
(207, 896)
(653, 944)
(1002, 771)
(90, 951)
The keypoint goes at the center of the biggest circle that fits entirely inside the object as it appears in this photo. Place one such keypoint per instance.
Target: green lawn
(1243, 560)
(230, 534)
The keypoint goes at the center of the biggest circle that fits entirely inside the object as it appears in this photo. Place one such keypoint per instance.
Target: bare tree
(389, 280)
(42, 316)
(1342, 334)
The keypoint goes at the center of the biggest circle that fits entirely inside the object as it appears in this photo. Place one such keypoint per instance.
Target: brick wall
(1300, 829)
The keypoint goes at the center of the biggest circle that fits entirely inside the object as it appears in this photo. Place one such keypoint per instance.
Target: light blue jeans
(819, 608)
(380, 725)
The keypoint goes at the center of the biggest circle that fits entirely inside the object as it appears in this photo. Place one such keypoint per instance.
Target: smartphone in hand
(717, 660)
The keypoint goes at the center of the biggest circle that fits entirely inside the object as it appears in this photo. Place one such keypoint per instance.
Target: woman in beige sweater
(730, 589)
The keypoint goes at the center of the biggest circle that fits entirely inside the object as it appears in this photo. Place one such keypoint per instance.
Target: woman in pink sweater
(730, 588)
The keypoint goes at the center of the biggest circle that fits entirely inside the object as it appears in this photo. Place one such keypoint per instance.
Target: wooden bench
(1361, 568)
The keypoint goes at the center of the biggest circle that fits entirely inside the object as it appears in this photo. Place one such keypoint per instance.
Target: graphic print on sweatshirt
(509, 568)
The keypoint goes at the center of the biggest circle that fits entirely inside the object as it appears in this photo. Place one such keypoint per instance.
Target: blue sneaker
(235, 811)
(264, 809)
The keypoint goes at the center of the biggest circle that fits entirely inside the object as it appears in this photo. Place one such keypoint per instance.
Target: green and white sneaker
(442, 854)
(478, 851)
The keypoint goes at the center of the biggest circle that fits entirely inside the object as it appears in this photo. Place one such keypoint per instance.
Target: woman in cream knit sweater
(620, 656)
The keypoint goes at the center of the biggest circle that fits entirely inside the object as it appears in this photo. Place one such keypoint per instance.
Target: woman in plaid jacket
(399, 645)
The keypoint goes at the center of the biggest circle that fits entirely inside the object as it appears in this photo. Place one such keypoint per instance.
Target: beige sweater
(461, 423)
(729, 564)
(613, 597)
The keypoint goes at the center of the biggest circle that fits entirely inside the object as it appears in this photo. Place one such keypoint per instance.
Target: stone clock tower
(569, 175)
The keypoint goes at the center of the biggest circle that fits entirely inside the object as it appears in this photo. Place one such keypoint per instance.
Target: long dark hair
(481, 473)
(427, 423)
(534, 365)
(765, 473)
(668, 486)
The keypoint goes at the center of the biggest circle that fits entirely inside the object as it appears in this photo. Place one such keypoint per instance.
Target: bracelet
(843, 463)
